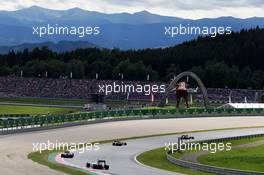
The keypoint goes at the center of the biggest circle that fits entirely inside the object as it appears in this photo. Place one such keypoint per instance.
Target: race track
(15, 148)
(122, 159)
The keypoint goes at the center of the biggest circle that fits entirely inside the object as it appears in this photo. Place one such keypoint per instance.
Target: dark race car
(100, 165)
(186, 137)
(67, 154)
(119, 143)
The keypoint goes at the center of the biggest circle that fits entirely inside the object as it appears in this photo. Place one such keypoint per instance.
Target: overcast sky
(181, 8)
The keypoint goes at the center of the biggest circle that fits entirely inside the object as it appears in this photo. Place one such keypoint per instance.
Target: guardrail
(214, 169)
(16, 122)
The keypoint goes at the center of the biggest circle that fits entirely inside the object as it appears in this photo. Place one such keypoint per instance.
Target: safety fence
(214, 169)
(13, 115)
(12, 122)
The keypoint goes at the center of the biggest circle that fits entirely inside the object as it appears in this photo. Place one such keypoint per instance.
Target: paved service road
(15, 148)
(121, 159)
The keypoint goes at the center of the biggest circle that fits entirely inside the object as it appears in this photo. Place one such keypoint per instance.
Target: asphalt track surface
(122, 159)
(15, 148)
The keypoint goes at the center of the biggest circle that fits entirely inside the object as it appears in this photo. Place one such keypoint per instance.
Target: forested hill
(235, 60)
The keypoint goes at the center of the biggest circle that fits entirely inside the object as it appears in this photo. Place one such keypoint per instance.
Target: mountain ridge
(137, 30)
(61, 46)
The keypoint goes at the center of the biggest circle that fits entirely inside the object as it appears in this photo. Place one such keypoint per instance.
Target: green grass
(112, 103)
(166, 107)
(65, 101)
(43, 101)
(33, 110)
(155, 107)
(251, 158)
(157, 158)
(233, 143)
(43, 159)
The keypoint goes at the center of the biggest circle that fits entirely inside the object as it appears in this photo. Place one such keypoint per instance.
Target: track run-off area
(15, 148)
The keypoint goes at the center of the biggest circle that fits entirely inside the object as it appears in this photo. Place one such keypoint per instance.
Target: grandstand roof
(243, 105)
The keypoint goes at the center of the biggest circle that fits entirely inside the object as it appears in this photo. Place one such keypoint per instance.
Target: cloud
(181, 8)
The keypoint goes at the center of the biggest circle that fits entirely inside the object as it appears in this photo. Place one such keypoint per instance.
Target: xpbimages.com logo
(49, 145)
(79, 31)
(196, 146)
(212, 31)
(146, 89)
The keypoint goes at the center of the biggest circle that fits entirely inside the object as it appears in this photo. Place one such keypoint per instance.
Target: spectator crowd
(12, 86)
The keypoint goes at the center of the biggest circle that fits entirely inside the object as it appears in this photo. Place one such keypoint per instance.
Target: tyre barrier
(23, 122)
(214, 169)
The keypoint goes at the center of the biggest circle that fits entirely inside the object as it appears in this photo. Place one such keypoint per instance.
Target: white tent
(243, 105)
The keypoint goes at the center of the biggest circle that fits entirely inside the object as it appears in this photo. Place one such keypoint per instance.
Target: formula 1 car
(100, 165)
(67, 154)
(119, 143)
(186, 137)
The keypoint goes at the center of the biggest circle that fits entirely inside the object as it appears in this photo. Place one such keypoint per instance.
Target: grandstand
(12, 86)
